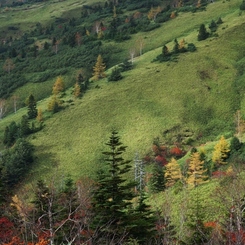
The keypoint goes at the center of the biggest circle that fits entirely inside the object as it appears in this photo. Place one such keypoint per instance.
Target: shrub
(242, 6)
(191, 47)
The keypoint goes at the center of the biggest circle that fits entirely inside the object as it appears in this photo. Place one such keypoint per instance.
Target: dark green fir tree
(144, 220)
(203, 34)
(111, 201)
(115, 75)
(157, 181)
(32, 107)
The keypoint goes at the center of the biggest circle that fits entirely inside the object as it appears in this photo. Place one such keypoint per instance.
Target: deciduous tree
(77, 90)
(172, 173)
(3, 108)
(58, 86)
(196, 172)
(39, 115)
(221, 151)
(8, 65)
(99, 69)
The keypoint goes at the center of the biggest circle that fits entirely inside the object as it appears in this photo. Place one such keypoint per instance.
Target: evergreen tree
(144, 222)
(11, 134)
(196, 172)
(32, 107)
(172, 173)
(165, 53)
(176, 47)
(24, 128)
(111, 201)
(203, 34)
(126, 65)
(157, 181)
(99, 69)
(213, 26)
(115, 75)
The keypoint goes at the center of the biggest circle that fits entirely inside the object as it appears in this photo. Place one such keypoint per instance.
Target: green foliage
(113, 193)
(32, 107)
(15, 162)
(191, 47)
(213, 26)
(157, 181)
(203, 34)
(242, 6)
(126, 65)
(144, 221)
(115, 75)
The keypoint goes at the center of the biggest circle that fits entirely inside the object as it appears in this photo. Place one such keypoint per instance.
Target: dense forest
(184, 187)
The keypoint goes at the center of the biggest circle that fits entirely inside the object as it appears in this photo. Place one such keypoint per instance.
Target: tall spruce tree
(157, 180)
(203, 34)
(144, 222)
(111, 201)
(32, 107)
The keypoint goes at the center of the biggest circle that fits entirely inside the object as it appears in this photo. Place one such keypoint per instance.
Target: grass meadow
(196, 91)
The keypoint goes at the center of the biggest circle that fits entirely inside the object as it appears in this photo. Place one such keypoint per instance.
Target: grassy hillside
(196, 92)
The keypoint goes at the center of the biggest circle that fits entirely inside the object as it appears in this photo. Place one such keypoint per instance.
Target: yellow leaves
(87, 32)
(196, 172)
(99, 69)
(20, 206)
(153, 13)
(172, 172)
(221, 150)
(77, 90)
(39, 115)
(54, 104)
(173, 15)
(59, 86)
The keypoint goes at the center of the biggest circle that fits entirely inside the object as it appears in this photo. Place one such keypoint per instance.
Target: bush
(191, 47)
(242, 6)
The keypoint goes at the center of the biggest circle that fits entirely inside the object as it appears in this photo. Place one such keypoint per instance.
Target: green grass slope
(151, 98)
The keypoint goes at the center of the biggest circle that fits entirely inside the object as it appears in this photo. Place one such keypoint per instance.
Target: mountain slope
(197, 92)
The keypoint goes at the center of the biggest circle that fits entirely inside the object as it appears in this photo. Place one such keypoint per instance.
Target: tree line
(111, 209)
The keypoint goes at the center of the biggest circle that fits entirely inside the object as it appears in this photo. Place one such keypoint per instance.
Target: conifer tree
(221, 151)
(59, 85)
(144, 221)
(54, 104)
(24, 128)
(176, 46)
(172, 172)
(99, 68)
(32, 107)
(165, 51)
(157, 181)
(115, 75)
(203, 34)
(196, 172)
(39, 115)
(77, 90)
(112, 196)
